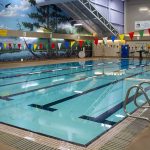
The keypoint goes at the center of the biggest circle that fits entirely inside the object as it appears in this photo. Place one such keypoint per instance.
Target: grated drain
(123, 138)
(21, 144)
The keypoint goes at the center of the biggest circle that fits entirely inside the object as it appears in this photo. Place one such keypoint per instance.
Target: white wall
(134, 14)
(109, 50)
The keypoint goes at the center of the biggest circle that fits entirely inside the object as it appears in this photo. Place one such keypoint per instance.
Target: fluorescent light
(78, 24)
(28, 38)
(54, 39)
(143, 9)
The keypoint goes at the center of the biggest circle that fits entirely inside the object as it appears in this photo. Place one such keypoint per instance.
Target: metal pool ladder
(139, 90)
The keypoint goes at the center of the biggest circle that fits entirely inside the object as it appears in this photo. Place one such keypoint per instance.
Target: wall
(112, 10)
(13, 13)
(110, 50)
(133, 14)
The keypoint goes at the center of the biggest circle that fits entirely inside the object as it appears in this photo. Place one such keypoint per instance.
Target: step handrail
(137, 87)
(144, 92)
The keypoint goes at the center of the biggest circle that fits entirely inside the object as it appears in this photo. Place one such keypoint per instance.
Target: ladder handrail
(137, 87)
(144, 92)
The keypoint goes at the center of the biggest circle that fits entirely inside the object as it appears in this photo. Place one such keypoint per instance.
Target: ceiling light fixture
(78, 24)
(143, 9)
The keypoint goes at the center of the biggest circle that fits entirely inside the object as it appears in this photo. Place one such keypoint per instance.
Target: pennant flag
(5, 45)
(96, 41)
(14, 45)
(47, 46)
(131, 34)
(53, 45)
(81, 43)
(88, 42)
(30, 46)
(149, 30)
(66, 44)
(19, 46)
(113, 38)
(41, 46)
(24, 46)
(9, 45)
(141, 32)
(59, 45)
(35, 46)
(1, 46)
(121, 36)
(105, 40)
(72, 43)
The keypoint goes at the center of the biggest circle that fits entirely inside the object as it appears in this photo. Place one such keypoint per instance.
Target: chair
(119, 54)
(147, 53)
(131, 54)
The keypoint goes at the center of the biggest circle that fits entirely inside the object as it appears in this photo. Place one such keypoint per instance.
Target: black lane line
(46, 106)
(7, 98)
(102, 117)
(46, 71)
(112, 123)
(67, 74)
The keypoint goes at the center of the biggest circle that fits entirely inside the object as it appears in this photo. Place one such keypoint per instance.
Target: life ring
(81, 54)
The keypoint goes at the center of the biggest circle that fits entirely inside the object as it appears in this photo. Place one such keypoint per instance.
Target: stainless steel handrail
(137, 87)
(144, 92)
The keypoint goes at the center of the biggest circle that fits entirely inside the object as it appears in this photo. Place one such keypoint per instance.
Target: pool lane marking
(46, 87)
(102, 117)
(67, 74)
(46, 106)
(7, 98)
(138, 79)
(44, 71)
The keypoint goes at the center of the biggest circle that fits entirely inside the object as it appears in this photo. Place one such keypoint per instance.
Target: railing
(139, 91)
(87, 4)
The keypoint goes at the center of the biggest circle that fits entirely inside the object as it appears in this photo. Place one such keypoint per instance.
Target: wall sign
(3, 32)
(141, 25)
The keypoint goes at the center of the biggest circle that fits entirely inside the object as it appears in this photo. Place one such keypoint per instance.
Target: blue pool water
(75, 102)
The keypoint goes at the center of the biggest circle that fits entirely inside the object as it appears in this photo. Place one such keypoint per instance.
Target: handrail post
(137, 87)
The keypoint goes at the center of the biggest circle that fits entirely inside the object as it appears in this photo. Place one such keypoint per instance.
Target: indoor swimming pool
(75, 102)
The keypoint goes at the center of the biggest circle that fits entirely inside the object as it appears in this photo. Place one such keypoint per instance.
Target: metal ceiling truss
(91, 8)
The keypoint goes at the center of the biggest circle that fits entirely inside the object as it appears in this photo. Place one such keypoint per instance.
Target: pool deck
(124, 136)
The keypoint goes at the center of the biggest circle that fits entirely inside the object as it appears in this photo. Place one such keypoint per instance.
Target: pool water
(75, 102)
